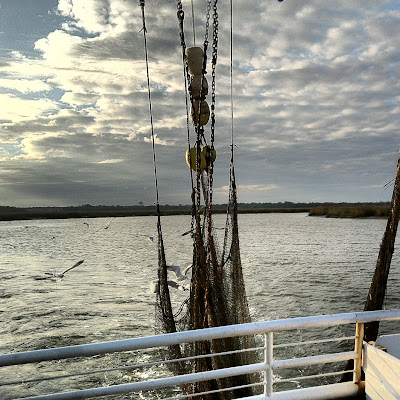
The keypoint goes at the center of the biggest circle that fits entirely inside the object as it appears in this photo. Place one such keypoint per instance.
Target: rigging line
(231, 72)
(193, 24)
(199, 128)
(388, 183)
(186, 78)
(165, 308)
(150, 107)
(213, 64)
(209, 192)
(231, 167)
(181, 307)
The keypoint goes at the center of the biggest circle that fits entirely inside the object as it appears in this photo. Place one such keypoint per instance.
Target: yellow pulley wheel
(206, 155)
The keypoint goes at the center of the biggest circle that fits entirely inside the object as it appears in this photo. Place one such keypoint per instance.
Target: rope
(186, 76)
(231, 167)
(193, 25)
(231, 74)
(163, 291)
(144, 29)
(210, 238)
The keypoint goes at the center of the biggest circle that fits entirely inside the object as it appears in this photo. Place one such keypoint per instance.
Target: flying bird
(175, 285)
(179, 274)
(69, 269)
(150, 238)
(54, 277)
(106, 226)
(108, 223)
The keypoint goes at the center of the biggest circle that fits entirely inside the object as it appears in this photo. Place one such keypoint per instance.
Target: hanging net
(217, 294)
(217, 298)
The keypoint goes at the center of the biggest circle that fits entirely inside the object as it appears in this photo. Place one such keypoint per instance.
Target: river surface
(294, 265)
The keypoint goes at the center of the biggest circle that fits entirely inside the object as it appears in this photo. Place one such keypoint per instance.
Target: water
(294, 265)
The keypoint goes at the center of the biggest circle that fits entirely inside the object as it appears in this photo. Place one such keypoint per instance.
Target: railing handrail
(169, 339)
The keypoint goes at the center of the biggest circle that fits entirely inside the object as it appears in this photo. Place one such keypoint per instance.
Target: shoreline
(379, 210)
(26, 215)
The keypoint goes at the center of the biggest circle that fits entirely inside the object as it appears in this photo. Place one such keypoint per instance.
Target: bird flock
(178, 278)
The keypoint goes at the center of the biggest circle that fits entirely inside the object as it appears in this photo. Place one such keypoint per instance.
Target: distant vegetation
(335, 210)
(358, 211)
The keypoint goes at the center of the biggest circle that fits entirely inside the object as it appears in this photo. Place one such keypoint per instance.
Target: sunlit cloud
(25, 85)
(157, 141)
(111, 161)
(315, 99)
(245, 189)
(16, 109)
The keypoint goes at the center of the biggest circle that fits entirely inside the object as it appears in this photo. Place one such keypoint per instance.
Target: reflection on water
(294, 265)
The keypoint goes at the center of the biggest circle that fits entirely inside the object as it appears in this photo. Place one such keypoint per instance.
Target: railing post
(268, 359)
(358, 346)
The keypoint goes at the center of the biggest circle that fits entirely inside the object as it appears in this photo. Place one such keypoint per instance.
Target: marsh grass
(332, 210)
(367, 211)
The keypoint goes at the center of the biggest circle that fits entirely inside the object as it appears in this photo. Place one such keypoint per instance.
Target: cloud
(15, 109)
(316, 102)
(157, 140)
(96, 16)
(258, 187)
(112, 161)
(57, 48)
(25, 85)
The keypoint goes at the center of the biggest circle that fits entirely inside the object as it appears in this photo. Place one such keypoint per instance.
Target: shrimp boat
(209, 348)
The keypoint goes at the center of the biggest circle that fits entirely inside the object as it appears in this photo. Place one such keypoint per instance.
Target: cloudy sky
(316, 101)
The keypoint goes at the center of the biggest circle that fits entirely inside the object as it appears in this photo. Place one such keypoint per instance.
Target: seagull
(106, 227)
(180, 276)
(53, 276)
(150, 238)
(175, 285)
(108, 223)
(69, 269)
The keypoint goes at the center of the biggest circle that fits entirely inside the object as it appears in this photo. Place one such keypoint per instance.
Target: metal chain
(199, 130)
(213, 84)
(196, 232)
(210, 239)
(186, 78)
(214, 63)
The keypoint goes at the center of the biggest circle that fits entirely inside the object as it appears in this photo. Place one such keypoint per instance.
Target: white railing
(268, 367)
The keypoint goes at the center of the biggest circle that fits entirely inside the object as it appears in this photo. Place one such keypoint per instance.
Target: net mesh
(217, 294)
(217, 298)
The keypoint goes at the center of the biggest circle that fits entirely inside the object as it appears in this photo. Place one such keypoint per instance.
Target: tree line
(343, 209)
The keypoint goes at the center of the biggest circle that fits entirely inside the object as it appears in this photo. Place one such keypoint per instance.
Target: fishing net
(217, 294)
(217, 298)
